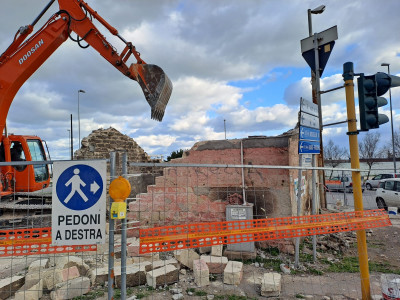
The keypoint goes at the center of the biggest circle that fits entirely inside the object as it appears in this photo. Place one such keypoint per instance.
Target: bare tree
(332, 154)
(388, 147)
(369, 149)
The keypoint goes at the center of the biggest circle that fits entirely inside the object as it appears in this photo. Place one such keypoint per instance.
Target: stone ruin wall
(101, 142)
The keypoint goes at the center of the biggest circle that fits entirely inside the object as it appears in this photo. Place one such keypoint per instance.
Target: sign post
(79, 203)
(309, 144)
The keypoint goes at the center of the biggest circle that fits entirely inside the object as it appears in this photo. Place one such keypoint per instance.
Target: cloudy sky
(238, 61)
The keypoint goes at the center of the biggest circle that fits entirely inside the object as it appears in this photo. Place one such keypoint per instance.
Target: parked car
(373, 183)
(341, 183)
(388, 193)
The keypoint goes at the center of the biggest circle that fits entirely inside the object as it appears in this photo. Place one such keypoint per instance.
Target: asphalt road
(347, 199)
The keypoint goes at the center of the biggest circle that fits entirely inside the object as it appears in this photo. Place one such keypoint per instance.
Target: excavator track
(25, 212)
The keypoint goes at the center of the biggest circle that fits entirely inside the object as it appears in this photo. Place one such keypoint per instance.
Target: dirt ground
(312, 281)
(334, 276)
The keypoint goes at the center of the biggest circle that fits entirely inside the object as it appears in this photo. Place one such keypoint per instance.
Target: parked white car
(374, 181)
(388, 193)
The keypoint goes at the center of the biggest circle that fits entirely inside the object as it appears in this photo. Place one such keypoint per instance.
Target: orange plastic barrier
(34, 241)
(169, 238)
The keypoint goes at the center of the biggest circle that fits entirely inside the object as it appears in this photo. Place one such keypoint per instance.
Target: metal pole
(391, 119)
(79, 120)
(314, 206)
(72, 142)
(297, 244)
(317, 89)
(225, 127)
(243, 183)
(123, 235)
(111, 237)
(309, 22)
(69, 139)
(316, 98)
(79, 124)
(348, 76)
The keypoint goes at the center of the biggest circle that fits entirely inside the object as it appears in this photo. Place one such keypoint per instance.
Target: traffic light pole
(348, 76)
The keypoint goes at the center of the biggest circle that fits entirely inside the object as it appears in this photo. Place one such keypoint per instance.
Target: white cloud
(203, 46)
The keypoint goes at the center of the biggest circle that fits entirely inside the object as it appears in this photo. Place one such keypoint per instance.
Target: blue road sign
(309, 147)
(79, 187)
(309, 134)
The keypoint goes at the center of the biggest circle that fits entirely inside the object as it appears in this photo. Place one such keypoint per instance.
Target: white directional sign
(309, 120)
(309, 107)
(79, 203)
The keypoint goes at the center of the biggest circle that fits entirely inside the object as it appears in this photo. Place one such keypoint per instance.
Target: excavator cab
(23, 177)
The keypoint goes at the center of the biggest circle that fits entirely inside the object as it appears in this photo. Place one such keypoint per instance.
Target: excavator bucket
(156, 86)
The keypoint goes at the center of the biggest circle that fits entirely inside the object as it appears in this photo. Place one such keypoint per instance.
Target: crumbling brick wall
(191, 194)
(101, 142)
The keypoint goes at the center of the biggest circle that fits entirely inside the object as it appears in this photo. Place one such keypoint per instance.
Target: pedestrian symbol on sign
(76, 183)
(79, 187)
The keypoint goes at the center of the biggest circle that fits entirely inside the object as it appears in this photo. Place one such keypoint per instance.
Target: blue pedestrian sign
(309, 134)
(79, 203)
(79, 187)
(309, 147)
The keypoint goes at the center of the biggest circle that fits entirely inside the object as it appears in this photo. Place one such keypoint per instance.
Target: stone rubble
(65, 276)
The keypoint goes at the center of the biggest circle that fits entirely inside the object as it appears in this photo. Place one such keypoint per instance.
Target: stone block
(186, 257)
(56, 276)
(203, 250)
(135, 275)
(216, 264)
(133, 250)
(165, 275)
(217, 250)
(161, 263)
(38, 264)
(70, 289)
(241, 255)
(30, 291)
(70, 261)
(233, 272)
(201, 273)
(145, 257)
(8, 286)
(271, 284)
(98, 276)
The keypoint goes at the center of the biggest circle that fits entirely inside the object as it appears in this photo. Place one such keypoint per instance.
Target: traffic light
(369, 89)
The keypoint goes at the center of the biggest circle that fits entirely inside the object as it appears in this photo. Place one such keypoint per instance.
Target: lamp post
(79, 120)
(319, 10)
(69, 140)
(316, 98)
(391, 118)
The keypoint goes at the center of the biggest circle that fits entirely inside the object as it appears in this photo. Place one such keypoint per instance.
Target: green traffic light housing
(369, 89)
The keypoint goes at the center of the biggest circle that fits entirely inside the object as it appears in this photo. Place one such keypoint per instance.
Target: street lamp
(319, 10)
(391, 118)
(79, 120)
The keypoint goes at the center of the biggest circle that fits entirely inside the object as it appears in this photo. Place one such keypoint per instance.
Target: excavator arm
(25, 55)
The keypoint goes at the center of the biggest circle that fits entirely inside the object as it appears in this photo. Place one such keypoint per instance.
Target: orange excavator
(29, 51)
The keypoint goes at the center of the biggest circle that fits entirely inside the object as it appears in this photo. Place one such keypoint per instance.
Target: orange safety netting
(169, 238)
(34, 241)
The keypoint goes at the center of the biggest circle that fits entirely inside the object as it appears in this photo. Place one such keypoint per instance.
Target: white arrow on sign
(94, 187)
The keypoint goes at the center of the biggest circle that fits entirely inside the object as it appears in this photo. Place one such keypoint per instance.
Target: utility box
(240, 213)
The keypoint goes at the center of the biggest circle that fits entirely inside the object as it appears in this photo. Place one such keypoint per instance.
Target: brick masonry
(190, 194)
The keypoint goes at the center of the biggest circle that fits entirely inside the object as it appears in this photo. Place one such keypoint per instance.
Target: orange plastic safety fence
(169, 238)
(34, 241)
